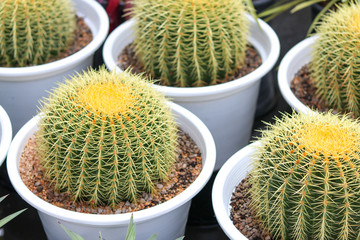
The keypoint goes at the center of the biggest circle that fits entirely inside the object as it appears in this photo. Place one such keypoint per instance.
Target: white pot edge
(188, 92)
(221, 209)
(113, 219)
(50, 69)
(6, 134)
(296, 54)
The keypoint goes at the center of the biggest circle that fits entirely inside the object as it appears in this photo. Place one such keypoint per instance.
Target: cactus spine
(335, 59)
(191, 43)
(306, 181)
(32, 31)
(106, 137)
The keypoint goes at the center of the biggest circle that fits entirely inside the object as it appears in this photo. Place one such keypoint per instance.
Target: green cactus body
(191, 43)
(106, 137)
(306, 181)
(32, 31)
(335, 60)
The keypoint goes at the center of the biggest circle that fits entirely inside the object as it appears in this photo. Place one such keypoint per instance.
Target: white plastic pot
(167, 219)
(22, 87)
(230, 175)
(293, 61)
(5, 134)
(227, 109)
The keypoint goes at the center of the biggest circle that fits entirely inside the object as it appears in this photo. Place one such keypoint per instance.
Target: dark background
(291, 29)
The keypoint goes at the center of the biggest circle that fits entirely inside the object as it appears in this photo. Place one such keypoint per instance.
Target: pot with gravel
(109, 144)
(321, 72)
(198, 68)
(5, 134)
(300, 181)
(41, 42)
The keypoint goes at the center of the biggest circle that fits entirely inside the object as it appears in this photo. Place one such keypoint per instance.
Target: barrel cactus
(105, 137)
(305, 180)
(32, 31)
(191, 43)
(336, 59)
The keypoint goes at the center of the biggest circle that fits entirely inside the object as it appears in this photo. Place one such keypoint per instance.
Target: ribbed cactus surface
(106, 137)
(306, 181)
(32, 31)
(336, 59)
(191, 43)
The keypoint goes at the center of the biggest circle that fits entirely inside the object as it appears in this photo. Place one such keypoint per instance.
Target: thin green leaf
(279, 9)
(301, 6)
(180, 238)
(10, 217)
(3, 197)
(272, 17)
(71, 234)
(153, 237)
(131, 232)
(319, 16)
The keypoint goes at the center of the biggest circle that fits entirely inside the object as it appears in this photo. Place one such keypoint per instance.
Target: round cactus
(305, 180)
(32, 31)
(191, 43)
(105, 137)
(336, 59)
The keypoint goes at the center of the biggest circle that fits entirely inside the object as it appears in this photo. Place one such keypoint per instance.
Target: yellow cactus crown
(314, 134)
(345, 19)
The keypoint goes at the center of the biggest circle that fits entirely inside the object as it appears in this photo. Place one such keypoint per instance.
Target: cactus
(106, 137)
(191, 43)
(305, 180)
(32, 31)
(335, 60)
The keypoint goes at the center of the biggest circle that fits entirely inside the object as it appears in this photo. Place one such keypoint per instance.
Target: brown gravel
(186, 170)
(127, 58)
(303, 88)
(243, 216)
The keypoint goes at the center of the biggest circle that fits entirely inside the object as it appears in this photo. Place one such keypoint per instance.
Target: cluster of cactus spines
(306, 180)
(191, 43)
(106, 137)
(32, 31)
(335, 62)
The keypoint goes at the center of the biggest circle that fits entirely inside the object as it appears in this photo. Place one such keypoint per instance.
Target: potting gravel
(243, 216)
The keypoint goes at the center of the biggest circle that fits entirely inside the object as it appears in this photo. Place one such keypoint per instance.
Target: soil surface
(303, 87)
(243, 216)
